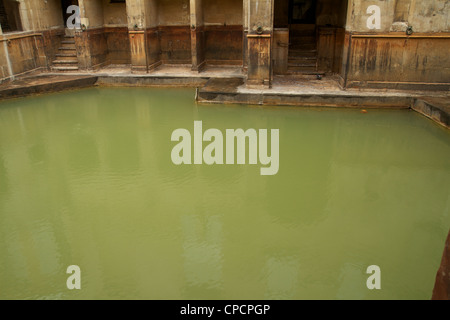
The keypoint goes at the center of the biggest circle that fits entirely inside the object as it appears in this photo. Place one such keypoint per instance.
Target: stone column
(441, 289)
(259, 42)
(82, 40)
(197, 35)
(137, 26)
(245, 31)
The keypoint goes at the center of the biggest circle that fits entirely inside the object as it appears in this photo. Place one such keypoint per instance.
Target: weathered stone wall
(174, 31)
(37, 44)
(441, 289)
(219, 12)
(385, 56)
(25, 53)
(41, 15)
(197, 35)
(91, 44)
(114, 14)
(106, 40)
(173, 12)
(422, 15)
(223, 31)
(386, 59)
(224, 44)
(93, 11)
(149, 32)
(259, 42)
(118, 45)
(175, 44)
(115, 22)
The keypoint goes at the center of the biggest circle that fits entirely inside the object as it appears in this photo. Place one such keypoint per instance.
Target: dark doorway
(64, 5)
(302, 11)
(10, 16)
(302, 37)
(316, 31)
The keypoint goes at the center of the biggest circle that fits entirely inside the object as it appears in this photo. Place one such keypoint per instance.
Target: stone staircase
(303, 50)
(66, 58)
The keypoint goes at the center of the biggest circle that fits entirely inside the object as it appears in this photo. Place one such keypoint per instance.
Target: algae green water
(86, 179)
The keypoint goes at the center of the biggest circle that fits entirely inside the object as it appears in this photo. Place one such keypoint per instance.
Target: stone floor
(165, 71)
(226, 84)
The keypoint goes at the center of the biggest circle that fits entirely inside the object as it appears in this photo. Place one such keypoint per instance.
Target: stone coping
(211, 88)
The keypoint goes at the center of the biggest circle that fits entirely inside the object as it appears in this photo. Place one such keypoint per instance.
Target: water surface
(86, 179)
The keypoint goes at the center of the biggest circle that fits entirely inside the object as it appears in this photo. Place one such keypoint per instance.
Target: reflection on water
(86, 178)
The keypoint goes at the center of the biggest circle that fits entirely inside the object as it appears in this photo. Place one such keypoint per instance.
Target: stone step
(305, 72)
(65, 55)
(302, 65)
(302, 33)
(66, 59)
(69, 61)
(302, 69)
(301, 50)
(302, 58)
(68, 42)
(67, 48)
(301, 44)
(305, 47)
(302, 53)
(302, 39)
(64, 68)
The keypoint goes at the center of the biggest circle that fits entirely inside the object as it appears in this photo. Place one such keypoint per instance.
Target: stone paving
(227, 85)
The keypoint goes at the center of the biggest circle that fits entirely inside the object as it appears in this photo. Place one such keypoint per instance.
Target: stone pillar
(23, 11)
(244, 36)
(259, 43)
(197, 36)
(82, 40)
(441, 289)
(137, 26)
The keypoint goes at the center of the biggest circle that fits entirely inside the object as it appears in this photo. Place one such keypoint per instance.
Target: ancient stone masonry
(441, 289)
(366, 44)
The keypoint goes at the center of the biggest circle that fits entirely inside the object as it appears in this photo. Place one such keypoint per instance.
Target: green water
(86, 179)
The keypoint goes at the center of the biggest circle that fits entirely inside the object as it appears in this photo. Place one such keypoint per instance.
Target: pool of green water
(86, 179)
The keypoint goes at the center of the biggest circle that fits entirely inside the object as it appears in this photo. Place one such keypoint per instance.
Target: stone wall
(422, 15)
(223, 22)
(442, 286)
(146, 33)
(35, 46)
(106, 40)
(385, 56)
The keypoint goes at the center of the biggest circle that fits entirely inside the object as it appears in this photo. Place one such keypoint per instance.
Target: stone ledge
(42, 84)
(234, 91)
(437, 109)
